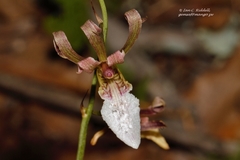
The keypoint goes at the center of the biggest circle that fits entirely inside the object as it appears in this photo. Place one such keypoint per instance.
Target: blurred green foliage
(73, 14)
(114, 6)
(139, 85)
(234, 156)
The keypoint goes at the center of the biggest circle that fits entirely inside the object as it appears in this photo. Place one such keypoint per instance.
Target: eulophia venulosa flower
(150, 128)
(120, 108)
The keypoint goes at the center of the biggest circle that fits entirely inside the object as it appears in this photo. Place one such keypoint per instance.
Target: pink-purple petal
(135, 24)
(116, 58)
(146, 124)
(88, 65)
(64, 48)
(94, 33)
(157, 106)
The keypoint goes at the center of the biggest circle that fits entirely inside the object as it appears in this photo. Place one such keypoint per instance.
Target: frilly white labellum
(121, 113)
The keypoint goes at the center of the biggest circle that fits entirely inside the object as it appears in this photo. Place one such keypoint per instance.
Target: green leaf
(74, 14)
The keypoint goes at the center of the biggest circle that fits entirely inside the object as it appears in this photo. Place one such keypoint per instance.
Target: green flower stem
(85, 120)
(86, 115)
(105, 19)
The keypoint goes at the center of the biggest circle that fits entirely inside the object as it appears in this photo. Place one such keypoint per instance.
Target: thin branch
(105, 19)
(85, 120)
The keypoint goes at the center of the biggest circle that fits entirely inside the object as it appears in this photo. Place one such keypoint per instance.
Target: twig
(85, 120)
(105, 19)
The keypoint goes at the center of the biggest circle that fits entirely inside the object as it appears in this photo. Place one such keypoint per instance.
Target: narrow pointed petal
(64, 48)
(96, 136)
(151, 111)
(122, 116)
(158, 102)
(157, 106)
(88, 65)
(135, 24)
(116, 58)
(100, 21)
(147, 125)
(156, 137)
(93, 33)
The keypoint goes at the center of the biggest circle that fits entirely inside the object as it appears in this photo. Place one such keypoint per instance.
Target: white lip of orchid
(121, 113)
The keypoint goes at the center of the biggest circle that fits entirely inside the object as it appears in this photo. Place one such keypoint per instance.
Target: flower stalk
(105, 19)
(86, 115)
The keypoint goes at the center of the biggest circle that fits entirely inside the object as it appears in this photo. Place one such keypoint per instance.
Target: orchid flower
(120, 108)
(150, 128)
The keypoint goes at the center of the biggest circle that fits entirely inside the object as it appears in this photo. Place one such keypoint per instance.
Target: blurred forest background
(192, 62)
